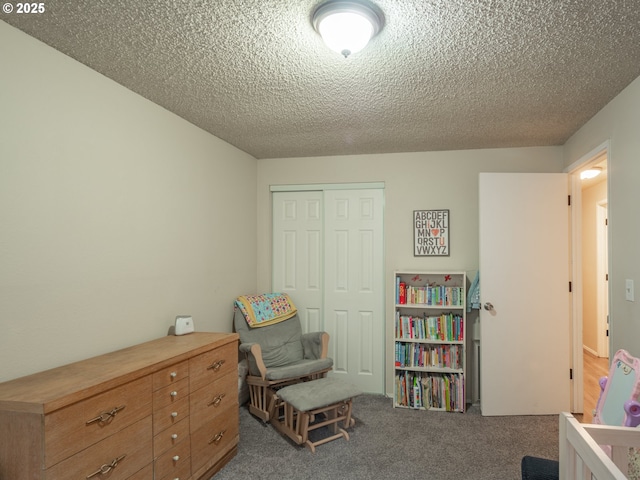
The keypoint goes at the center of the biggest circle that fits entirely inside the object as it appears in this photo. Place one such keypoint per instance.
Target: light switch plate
(628, 289)
(184, 325)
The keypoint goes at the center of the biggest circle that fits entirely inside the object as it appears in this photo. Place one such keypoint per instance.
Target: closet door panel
(298, 253)
(354, 285)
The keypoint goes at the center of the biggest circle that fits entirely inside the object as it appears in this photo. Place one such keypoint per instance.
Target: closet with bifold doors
(328, 255)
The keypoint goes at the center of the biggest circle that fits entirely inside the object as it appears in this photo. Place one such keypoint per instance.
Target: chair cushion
(282, 346)
(307, 396)
(298, 369)
(281, 343)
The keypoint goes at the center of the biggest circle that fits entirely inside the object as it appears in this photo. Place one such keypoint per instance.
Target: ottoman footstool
(299, 404)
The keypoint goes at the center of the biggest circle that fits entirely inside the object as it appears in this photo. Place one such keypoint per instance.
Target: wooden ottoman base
(298, 405)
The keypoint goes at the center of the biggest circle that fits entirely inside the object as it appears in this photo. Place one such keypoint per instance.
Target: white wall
(115, 214)
(619, 122)
(413, 181)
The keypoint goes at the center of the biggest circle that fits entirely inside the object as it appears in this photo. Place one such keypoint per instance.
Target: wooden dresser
(162, 410)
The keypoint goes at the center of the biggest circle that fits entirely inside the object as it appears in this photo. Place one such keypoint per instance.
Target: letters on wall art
(430, 233)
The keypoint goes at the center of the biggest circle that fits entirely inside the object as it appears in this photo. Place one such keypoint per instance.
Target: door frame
(577, 354)
(603, 271)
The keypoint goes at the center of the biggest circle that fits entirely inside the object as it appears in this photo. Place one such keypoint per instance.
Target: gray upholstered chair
(279, 355)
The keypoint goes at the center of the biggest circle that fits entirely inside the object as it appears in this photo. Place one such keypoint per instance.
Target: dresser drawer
(170, 394)
(132, 446)
(170, 375)
(165, 417)
(182, 473)
(209, 366)
(170, 437)
(145, 474)
(212, 399)
(214, 439)
(73, 428)
(172, 463)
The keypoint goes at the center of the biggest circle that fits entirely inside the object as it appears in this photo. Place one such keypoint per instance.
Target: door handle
(488, 306)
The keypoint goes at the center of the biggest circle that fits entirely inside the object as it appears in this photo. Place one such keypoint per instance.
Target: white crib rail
(582, 457)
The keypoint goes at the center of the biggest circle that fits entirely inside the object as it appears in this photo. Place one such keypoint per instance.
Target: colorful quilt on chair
(266, 309)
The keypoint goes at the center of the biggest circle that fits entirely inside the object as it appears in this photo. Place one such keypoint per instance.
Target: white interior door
(328, 256)
(354, 286)
(524, 268)
(298, 253)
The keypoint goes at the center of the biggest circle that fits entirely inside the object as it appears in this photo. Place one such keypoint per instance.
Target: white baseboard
(593, 353)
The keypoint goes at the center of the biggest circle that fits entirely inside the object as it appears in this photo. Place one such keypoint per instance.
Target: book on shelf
(402, 293)
(439, 391)
(408, 355)
(436, 295)
(444, 327)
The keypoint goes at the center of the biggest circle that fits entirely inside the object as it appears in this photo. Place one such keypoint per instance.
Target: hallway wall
(590, 198)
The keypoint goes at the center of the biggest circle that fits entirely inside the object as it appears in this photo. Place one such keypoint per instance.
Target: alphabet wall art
(430, 233)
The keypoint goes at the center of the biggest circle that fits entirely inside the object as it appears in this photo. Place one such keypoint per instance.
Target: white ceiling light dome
(347, 26)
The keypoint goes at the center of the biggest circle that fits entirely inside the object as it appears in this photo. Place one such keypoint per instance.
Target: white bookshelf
(430, 335)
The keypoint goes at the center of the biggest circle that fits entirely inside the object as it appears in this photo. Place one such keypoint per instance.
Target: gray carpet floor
(389, 442)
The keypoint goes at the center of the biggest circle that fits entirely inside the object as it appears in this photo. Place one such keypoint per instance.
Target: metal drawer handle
(107, 467)
(217, 437)
(173, 374)
(176, 458)
(106, 417)
(216, 401)
(174, 394)
(215, 366)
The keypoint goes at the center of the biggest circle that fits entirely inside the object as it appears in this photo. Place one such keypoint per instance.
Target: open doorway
(595, 296)
(590, 350)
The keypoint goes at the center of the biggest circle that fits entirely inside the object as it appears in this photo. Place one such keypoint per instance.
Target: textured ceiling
(441, 75)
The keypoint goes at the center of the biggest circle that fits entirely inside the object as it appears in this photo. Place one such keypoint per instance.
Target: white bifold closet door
(328, 256)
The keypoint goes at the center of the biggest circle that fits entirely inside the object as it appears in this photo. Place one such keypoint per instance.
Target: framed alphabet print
(430, 233)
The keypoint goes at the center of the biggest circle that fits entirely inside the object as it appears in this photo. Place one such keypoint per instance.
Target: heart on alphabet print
(435, 231)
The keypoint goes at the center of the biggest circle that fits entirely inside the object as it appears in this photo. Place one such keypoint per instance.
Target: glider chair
(278, 353)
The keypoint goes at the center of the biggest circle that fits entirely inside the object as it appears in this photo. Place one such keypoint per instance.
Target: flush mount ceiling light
(347, 26)
(590, 173)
